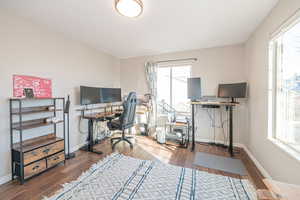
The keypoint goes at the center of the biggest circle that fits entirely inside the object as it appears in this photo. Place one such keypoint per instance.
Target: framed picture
(42, 87)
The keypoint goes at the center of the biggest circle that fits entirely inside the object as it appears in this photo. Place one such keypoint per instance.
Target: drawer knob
(46, 151)
(56, 158)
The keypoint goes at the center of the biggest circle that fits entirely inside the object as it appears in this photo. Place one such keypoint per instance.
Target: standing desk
(228, 105)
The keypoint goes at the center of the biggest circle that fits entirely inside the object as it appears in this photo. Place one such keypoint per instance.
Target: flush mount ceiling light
(129, 8)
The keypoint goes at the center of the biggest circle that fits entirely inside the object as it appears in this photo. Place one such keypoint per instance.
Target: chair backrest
(128, 116)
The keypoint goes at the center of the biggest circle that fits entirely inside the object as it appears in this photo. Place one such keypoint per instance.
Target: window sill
(285, 148)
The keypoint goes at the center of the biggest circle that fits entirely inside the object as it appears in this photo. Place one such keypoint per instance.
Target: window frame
(275, 50)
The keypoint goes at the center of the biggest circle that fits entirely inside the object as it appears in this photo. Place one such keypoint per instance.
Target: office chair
(125, 121)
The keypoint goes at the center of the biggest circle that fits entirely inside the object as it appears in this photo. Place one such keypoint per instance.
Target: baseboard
(219, 142)
(262, 170)
(77, 147)
(5, 179)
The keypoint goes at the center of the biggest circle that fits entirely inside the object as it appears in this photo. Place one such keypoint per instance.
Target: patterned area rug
(121, 177)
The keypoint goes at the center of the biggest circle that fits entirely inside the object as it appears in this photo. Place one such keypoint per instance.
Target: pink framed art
(42, 87)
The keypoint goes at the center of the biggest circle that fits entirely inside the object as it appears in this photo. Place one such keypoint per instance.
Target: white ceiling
(165, 25)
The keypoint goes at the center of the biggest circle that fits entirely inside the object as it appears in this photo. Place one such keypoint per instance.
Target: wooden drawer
(53, 148)
(55, 159)
(33, 155)
(34, 168)
(42, 152)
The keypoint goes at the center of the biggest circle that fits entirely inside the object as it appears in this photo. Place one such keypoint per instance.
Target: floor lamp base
(70, 156)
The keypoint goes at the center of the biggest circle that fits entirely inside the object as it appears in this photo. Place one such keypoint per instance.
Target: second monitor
(110, 95)
(194, 88)
(233, 90)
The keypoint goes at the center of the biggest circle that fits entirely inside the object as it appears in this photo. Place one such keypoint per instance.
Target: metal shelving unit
(18, 126)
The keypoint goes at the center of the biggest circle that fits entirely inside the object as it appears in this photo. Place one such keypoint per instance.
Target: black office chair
(125, 121)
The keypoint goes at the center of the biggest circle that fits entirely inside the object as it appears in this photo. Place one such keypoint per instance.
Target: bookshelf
(31, 157)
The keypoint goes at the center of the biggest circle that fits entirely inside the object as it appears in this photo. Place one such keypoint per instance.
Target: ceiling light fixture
(129, 8)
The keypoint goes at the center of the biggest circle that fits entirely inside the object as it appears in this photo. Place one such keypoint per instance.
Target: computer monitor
(89, 95)
(194, 88)
(111, 95)
(95, 95)
(233, 90)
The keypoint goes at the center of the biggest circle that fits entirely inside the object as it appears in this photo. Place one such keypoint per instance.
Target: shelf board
(33, 124)
(98, 107)
(31, 144)
(35, 109)
(26, 99)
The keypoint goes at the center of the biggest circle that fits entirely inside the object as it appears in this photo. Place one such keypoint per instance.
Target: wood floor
(145, 148)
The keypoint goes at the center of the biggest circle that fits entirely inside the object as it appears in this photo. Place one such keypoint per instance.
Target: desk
(279, 191)
(207, 103)
(95, 117)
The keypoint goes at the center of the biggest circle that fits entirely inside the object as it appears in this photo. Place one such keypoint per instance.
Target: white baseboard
(77, 147)
(5, 179)
(218, 141)
(262, 170)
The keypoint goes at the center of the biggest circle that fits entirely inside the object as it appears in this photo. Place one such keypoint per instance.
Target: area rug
(118, 177)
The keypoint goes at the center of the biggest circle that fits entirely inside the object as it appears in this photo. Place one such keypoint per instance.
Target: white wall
(29, 49)
(279, 164)
(214, 66)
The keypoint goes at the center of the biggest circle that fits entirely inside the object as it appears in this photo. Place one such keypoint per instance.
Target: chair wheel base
(119, 139)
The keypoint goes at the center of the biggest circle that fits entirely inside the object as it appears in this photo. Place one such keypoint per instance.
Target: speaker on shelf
(67, 107)
(67, 112)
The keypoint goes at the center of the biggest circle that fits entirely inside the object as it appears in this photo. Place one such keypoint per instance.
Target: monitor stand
(233, 100)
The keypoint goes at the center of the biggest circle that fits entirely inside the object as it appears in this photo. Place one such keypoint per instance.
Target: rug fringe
(67, 186)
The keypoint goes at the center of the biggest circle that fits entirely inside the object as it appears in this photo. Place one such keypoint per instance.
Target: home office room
(139, 99)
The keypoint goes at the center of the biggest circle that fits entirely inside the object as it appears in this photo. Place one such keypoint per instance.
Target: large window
(284, 87)
(172, 87)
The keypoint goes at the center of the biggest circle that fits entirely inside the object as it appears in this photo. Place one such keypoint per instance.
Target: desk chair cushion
(115, 125)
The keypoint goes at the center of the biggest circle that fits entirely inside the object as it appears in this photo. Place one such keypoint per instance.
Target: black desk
(92, 118)
(226, 104)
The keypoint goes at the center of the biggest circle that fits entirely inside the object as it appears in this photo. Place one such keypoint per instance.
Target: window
(172, 87)
(284, 87)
